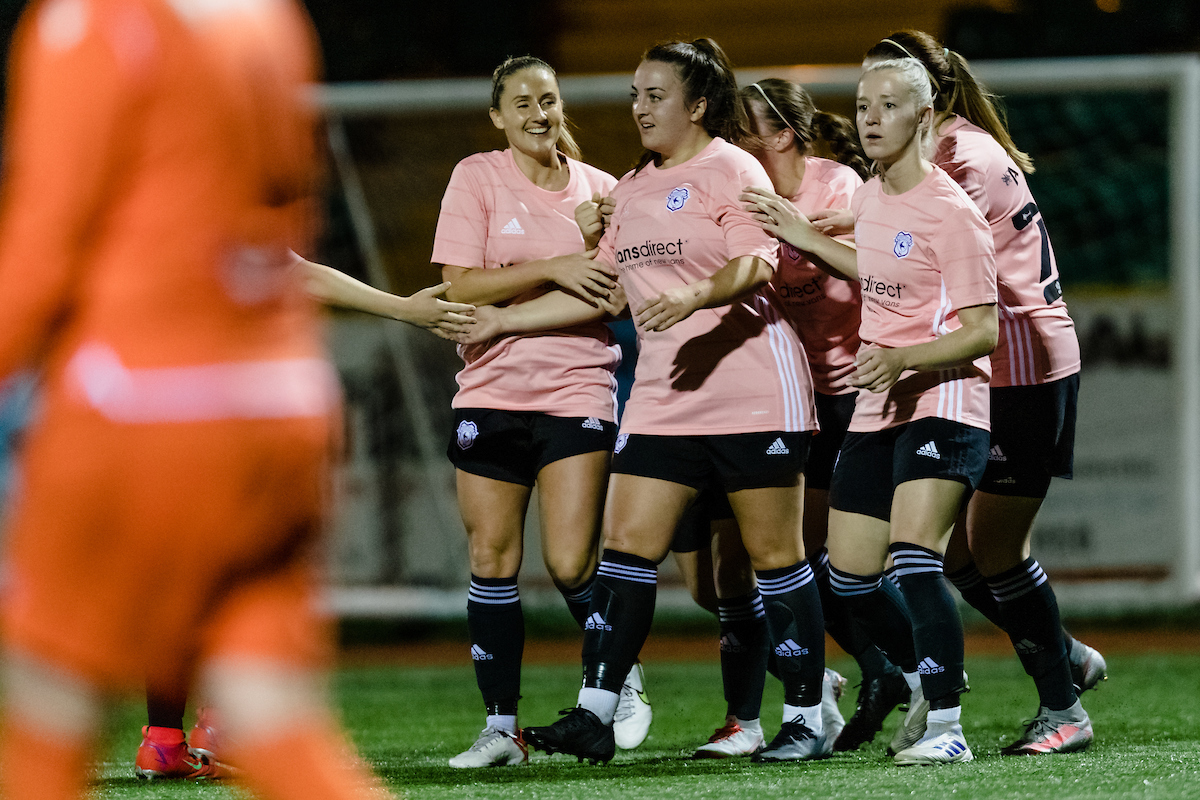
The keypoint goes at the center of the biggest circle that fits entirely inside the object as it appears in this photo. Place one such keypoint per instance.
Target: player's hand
(878, 368)
(833, 221)
(607, 207)
(581, 275)
(779, 217)
(489, 323)
(615, 304)
(840, 377)
(670, 307)
(441, 317)
(590, 218)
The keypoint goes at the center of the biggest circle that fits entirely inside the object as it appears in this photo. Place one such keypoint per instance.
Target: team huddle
(855, 375)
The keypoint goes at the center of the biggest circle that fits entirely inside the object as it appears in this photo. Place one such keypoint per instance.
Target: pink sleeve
(966, 258)
(743, 235)
(462, 227)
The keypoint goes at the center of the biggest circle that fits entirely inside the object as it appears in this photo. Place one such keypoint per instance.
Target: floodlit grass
(409, 721)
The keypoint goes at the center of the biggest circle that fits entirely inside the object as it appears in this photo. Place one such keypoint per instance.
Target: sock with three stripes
(881, 611)
(797, 630)
(744, 651)
(1030, 613)
(937, 629)
(619, 618)
(843, 628)
(497, 629)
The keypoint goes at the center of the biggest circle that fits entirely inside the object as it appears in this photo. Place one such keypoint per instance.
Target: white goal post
(1148, 520)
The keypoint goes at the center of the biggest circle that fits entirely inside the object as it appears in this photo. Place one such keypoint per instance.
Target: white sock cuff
(945, 715)
(600, 702)
(502, 722)
(810, 716)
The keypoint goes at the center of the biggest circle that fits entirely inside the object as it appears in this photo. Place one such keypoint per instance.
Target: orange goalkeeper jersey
(139, 238)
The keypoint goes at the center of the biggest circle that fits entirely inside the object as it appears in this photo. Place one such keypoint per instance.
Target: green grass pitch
(409, 721)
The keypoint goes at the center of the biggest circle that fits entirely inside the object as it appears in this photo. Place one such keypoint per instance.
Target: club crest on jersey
(677, 198)
(466, 433)
(622, 439)
(902, 245)
(792, 253)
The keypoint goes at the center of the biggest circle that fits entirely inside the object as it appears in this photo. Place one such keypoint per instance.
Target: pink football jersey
(492, 217)
(922, 255)
(739, 368)
(823, 309)
(1037, 336)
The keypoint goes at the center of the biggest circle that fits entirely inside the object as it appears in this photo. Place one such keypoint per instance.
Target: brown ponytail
(841, 136)
(957, 90)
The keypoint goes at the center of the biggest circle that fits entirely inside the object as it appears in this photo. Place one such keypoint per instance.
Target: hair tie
(776, 110)
(946, 52)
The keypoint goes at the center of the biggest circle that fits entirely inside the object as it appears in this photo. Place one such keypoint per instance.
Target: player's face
(888, 119)
(660, 108)
(530, 112)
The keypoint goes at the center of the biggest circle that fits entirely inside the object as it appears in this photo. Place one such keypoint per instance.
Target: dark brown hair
(788, 105)
(513, 65)
(957, 89)
(705, 71)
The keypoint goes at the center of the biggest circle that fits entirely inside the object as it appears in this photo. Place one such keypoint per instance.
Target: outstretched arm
(550, 311)
(578, 273)
(423, 309)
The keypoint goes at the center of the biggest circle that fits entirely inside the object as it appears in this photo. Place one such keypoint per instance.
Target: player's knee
(570, 572)
(494, 553)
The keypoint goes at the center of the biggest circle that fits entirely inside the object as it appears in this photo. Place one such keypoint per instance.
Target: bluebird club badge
(677, 198)
(902, 246)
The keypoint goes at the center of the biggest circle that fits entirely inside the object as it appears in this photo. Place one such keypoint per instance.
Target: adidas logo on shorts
(479, 654)
(929, 449)
(512, 227)
(790, 648)
(929, 667)
(778, 448)
(593, 424)
(596, 623)
(996, 454)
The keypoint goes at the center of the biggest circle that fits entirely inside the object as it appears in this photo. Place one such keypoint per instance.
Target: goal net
(1116, 142)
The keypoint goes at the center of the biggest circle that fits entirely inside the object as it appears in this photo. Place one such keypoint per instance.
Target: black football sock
(882, 614)
(497, 629)
(744, 648)
(1031, 618)
(937, 629)
(890, 574)
(797, 630)
(974, 589)
(579, 599)
(165, 707)
(842, 627)
(619, 618)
